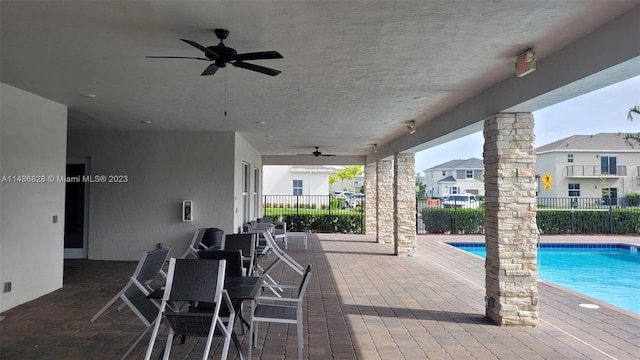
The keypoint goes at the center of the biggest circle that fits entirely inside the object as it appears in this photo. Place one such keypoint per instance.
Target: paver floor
(362, 303)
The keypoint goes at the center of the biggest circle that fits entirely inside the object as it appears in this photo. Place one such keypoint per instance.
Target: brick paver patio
(362, 303)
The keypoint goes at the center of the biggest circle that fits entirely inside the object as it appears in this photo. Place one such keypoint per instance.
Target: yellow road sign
(547, 179)
(547, 187)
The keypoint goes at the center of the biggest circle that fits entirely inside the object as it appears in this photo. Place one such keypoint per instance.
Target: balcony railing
(596, 171)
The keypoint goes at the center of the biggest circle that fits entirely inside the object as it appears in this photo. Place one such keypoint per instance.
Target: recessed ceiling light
(261, 122)
(388, 122)
(90, 96)
(145, 122)
(269, 136)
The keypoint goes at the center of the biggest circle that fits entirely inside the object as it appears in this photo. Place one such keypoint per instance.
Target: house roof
(471, 163)
(448, 179)
(597, 142)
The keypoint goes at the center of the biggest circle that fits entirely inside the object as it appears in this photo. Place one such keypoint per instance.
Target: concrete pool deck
(362, 303)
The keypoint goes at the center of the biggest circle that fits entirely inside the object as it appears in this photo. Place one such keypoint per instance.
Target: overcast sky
(603, 110)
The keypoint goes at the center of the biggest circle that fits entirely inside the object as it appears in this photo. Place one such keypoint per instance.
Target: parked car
(354, 200)
(466, 201)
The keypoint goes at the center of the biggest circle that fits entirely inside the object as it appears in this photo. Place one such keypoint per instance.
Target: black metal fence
(328, 213)
(318, 213)
(554, 216)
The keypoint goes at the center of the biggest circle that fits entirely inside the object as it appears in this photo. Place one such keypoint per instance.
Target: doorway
(76, 213)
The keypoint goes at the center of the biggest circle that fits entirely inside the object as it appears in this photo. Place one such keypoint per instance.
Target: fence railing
(554, 216)
(594, 170)
(318, 213)
(327, 213)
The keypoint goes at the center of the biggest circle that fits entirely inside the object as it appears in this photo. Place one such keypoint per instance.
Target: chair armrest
(280, 286)
(277, 299)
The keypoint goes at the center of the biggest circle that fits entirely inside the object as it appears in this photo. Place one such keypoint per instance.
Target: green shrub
(455, 221)
(633, 199)
(334, 223)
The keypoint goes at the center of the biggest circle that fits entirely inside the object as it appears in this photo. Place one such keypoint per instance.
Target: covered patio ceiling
(353, 74)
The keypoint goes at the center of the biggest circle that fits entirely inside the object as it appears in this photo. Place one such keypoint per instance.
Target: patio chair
(279, 230)
(281, 255)
(281, 310)
(134, 293)
(246, 244)
(194, 281)
(194, 246)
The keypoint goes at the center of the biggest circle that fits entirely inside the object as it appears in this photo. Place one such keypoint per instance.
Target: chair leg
(135, 343)
(167, 348)
(107, 305)
(300, 337)
(154, 335)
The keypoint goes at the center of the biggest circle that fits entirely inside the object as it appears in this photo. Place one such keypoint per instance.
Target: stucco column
(510, 220)
(370, 200)
(404, 199)
(385, 201)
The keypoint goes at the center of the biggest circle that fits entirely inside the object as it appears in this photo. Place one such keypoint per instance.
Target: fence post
(610, 217)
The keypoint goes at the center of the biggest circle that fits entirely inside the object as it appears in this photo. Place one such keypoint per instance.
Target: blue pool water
(610, 273)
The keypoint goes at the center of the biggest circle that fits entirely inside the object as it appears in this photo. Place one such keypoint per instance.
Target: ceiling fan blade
(327, 155)
(261, 55)
(210, 70)
(208, 52)
(177, 57)
(258, 68)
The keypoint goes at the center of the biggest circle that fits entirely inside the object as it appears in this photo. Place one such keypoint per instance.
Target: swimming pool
(607, 272)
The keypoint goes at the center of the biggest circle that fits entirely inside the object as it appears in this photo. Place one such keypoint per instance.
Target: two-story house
(455, 177)
(588, 166)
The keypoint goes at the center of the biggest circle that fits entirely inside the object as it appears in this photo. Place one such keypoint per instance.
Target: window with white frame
(569, 158)
(574, 189)
(297, 187)
(468, 174)
(454, 190)
(444, 173)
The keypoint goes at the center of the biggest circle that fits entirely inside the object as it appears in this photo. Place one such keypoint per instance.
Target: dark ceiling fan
(317, 153)
(222, 55)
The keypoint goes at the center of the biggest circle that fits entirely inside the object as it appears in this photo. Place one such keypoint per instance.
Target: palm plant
(631, 138)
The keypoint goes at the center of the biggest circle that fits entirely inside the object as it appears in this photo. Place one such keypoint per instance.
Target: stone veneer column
(385, 201)
(404, 199)
(371, 200)
(510, 220)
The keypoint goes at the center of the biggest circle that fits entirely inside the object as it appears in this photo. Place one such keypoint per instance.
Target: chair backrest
(195, 244)
(212, 238)
(195, 280)
(305, 281)
(150, 265)
(244, 242)
(233, 258)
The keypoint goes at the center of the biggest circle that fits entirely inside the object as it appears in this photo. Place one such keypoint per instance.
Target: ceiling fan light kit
(221, 55)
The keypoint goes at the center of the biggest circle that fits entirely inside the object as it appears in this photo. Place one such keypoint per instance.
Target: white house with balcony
(455, 177)
(588, 166)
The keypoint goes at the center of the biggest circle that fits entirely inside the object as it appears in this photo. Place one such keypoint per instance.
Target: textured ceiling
(353, 72)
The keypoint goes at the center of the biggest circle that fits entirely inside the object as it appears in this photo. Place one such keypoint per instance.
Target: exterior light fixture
(374, 148)
(525, 62)
(411, 126)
